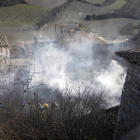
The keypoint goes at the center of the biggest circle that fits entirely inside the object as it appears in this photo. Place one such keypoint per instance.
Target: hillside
(131, 8)
(46, 3)
(4, 3)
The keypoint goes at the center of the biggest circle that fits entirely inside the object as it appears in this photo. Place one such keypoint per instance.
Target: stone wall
(129, 112)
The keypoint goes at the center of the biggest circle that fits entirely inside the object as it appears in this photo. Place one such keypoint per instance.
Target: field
(105, 28)
(21, 16)
(76, 11)
(95, 1)
(117, 5)
(46, 3)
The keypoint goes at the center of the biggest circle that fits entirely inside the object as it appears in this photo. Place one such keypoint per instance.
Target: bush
(74, 118)
(88, 17)
(77, 116)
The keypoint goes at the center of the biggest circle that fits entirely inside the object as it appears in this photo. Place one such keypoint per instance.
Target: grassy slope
(21, 15)
(95, 1)
(131, 8)
(106, 28)
(46, 3)
(117, 5)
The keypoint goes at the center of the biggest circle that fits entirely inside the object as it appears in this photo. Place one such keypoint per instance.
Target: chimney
(77, 24)
(95, 35)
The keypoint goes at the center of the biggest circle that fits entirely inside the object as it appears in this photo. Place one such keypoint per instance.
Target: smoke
(83, 65)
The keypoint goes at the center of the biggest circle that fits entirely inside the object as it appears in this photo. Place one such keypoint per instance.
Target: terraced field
(21, 16)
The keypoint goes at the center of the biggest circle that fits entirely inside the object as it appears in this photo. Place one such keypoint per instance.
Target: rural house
(74, 32)
(4, 48)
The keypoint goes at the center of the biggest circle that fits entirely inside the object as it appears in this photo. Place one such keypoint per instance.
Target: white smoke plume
(83, 65)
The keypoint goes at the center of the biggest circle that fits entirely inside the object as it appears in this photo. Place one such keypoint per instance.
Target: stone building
(129, 112)
(24, 50)
(65, 33)
(4, 47)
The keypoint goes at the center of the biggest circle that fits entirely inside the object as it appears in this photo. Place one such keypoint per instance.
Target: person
(44, 108)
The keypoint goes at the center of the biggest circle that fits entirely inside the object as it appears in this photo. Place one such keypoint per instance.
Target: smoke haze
(83, 65)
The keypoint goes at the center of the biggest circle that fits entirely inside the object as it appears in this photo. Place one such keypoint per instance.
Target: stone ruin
(129, 112)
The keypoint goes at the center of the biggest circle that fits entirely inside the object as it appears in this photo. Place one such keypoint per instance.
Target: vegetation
(88, 17)
(21, 15)
(129, 29)
(77, 116)
(11, 2)
(95, 1)
(117, 4)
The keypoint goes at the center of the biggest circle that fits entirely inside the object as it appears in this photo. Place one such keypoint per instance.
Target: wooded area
(11, 2)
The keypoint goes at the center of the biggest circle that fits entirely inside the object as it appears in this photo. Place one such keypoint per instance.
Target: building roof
(3, 41)
(72, 32)
(28, 46)
(133, 56)
(72, 35)
(82, 36)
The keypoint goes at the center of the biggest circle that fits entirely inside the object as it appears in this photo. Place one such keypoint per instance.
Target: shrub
(88, 17)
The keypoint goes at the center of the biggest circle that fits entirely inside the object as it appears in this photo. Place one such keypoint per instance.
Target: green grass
(117, 5)
(95, 1)
(21, 15)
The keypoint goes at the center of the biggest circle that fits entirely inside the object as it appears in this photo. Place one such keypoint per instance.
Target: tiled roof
(75, 35)
(3, 41)
(130, 55)
(80, 35)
